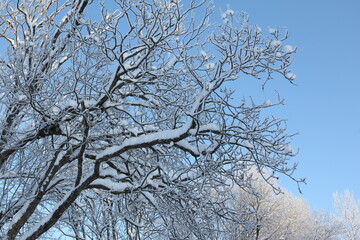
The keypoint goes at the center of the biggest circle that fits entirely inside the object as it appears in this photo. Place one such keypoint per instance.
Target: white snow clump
(248, 144)
(272, 30)
(203, 54)
(275, 43)
(289, 49)
(290, 76)
(289, 150)
(210, 66)
(267, 103)
(228, 12)
(258, 30)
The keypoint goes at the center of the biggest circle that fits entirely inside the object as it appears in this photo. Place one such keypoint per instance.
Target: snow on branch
(122, 110)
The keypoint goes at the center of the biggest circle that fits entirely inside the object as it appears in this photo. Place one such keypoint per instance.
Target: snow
(55, 110)
(90, 103)
(210, 127)
(84, 21)
(113, 186)
(127, 65)
(171, 62)
(229, 11)
(180, 28)
(202, 147)
(123, 122)
(135, 131)
(126, 55)
(151, 128)
(22, 97)
(63, 59)
(138, 113)
(248, 144)
(44, 220)
(263, 152)
(288, 49)
(135, 73)
(203, 54)
(258, 49)
(267, 103)
(186, 145)
(47, 218)
(108, 172)
(92, 36)
(154, 183)
(233, 77)
(96, 39)
(72, 103)
(275, 43)
(289, 150)
(245, 25)
(165, 135)
(290, 76)
(210, 85)
(210, 66)
(272, 30)
(184, 175)
(109, 104)
(258, 30)
(20, 213)
(150, 197)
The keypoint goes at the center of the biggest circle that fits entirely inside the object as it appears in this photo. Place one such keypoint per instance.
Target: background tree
(272, 216)
(125, 115)
(348, 213)
(325, 226)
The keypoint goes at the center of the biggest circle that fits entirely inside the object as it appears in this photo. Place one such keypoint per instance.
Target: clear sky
(324, 108)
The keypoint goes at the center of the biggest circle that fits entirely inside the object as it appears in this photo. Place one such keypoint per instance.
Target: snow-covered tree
(325, 226)
(120, 124)
(348, 213)
(272, 216)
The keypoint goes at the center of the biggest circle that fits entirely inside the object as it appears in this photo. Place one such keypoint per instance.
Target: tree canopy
(118, 122)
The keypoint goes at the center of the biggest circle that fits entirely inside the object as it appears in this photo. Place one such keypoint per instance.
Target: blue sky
(324, 108)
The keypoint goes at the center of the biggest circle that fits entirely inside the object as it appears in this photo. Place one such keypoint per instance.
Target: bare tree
(126, 115)
(348, 213)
